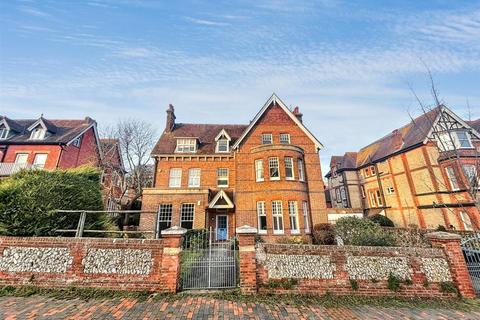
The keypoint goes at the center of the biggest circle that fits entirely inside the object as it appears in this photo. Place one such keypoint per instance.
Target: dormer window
(38, 133)
(222, 145)
(454, 140)
(223, 142)
(186, 145)
(4, 132)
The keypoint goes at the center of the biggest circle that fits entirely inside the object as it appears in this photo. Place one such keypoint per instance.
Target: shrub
(394, 283)
(381, 220)
(324, 233)
(448, 287)
(354, 284)
(30, 198)
(362, 232)
(293, 240)
(287, 283)
(441, 228)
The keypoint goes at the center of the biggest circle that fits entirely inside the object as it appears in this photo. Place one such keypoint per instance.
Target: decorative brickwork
(248, 264)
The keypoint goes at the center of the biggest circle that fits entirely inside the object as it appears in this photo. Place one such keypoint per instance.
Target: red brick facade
(304, 196)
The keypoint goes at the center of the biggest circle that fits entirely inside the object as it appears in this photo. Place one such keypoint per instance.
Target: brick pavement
(38, 307)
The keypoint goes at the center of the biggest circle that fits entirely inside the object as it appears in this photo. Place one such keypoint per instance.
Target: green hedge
(30, 198)
(362, 232)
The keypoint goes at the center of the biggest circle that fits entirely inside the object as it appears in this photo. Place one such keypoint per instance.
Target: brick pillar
(248, 263)
(450, 243)
(172, 250)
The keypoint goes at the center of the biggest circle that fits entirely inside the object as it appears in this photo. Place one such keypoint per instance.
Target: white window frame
(284, 138)
(186, 145)
(372, 198)
(38, 165)
(474, 172)
(271, 162)
(277, 215)
(301, 170)
(194, 177)
(452, 178)
(467, 222)
(259, 173)
(4, 133)
(293, 217)
(18, 156)
(450, 140)
(261, 213)
(378, 196)
(226, 143)
(267, 138)
(222, 175)
(182, 212)
(306, 217)
(38, 133)
(165, 214)
(77, 142)
(175, 178)
(289, 165)
(390, 190)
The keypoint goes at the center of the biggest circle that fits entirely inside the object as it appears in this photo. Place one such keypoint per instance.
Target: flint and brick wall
(322, 269)
(59, 262)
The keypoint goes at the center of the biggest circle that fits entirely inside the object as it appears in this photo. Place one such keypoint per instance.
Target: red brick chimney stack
(297, 113)
(170, 118)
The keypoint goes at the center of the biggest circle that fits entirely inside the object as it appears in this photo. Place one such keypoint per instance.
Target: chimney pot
(170, 118)
(298, 114)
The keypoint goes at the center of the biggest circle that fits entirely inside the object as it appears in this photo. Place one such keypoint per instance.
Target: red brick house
(47, 144)
(113, 177)
(266, 174)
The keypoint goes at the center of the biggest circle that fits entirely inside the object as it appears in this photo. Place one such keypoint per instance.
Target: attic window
(222, 145)
(77, 142)
(38, 133)
(186, 145)
(3, 132)
(454, 140)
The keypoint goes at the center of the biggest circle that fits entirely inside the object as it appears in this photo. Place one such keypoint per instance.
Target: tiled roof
(205, 133)
(342, 163)
(398, 140)
(475, 124)
(59, 131)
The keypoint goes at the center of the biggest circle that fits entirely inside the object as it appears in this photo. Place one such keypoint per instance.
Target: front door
(222, 228)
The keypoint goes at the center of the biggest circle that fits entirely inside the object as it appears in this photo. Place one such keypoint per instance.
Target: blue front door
(222, 227)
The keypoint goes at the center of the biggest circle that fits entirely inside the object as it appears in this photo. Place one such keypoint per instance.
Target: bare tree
(136, 139)
(442, 132)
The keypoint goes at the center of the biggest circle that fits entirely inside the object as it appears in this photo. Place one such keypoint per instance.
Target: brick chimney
(170, 119)
(397, 140)
(297, 114)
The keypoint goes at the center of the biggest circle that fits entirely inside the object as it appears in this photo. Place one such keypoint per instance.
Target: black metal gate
(208, 263)
(471, 253)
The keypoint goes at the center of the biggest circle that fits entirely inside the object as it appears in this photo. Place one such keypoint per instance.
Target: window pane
(39, 161)
(306, 218)
(267, 138)
(293, 214)
(186, 217)
(262, 217)
(301, 175)
(471, 174)
(284, 138)
(165, 216)
(259, 170)
(194, 177)
(277, 214)
(452, 177)
(463, 140)
(222, 177)
(273, 166)
(289, 168)
(175, 178)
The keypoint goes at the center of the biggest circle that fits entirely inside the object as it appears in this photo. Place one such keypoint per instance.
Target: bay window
(262, 217)
(301, 174)
(277, 213)
(289, 169)
(259, 170)
(274, 168)
(293, 215)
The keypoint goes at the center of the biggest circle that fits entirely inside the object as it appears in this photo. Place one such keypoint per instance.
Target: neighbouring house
(47, 144)
(421, 174)
(113, 176)
(265, 174)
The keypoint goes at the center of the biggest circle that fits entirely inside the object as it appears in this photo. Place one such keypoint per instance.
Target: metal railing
(80, 230)
(7, 169)
(471, 252)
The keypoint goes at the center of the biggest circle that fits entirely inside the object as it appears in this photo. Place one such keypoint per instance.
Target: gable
(278, 113)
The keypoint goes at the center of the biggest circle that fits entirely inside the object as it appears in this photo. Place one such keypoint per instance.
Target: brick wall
(58, 262)
(283, 268)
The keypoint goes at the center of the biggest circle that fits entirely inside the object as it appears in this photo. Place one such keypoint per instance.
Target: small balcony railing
(7, 169)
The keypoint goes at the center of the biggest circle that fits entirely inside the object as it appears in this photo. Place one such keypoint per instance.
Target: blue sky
(347, 65)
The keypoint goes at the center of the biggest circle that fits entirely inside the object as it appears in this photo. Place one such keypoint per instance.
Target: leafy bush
(362, 232)
(448, 287)
(381, 220)
(287, 283)
(354, 284)
(324, 233)
(30, 198)
(293, 240)
(441, 228)
(394, 283)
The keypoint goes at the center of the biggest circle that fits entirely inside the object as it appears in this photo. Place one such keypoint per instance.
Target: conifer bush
(362, 232)
(29, 201)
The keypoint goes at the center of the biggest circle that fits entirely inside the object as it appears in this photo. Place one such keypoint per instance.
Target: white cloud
(206, 22)
(33, 11)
